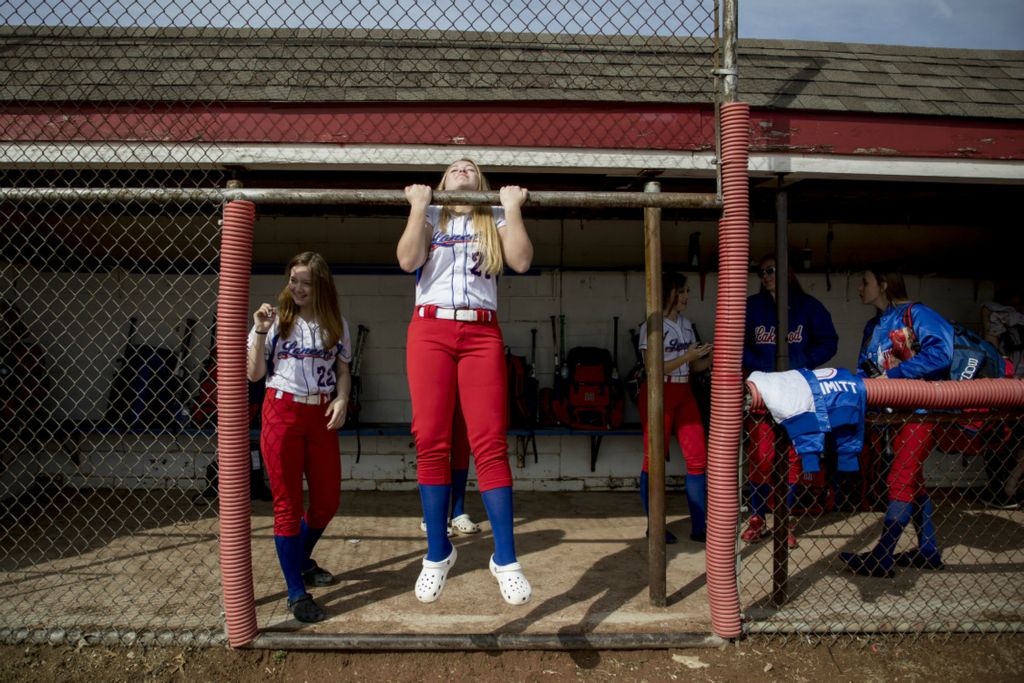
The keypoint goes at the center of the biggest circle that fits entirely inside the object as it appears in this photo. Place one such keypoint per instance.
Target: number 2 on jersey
(476, 267)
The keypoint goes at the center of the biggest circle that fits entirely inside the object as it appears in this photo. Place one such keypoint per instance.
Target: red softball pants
(445, 360)
(911, 445)
(682, 419)
(761, 451)
(295, 441)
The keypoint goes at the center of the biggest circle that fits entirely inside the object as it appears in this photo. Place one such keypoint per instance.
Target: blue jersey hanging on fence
(813, 405)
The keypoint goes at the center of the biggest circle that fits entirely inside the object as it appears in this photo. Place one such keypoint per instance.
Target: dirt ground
(951, 658)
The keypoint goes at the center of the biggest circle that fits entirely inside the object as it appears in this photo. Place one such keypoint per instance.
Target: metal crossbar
(675, 200)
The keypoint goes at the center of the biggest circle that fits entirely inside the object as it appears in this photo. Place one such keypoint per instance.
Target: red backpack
(593, 394)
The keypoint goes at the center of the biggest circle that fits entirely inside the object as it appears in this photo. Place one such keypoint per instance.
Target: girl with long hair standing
(303, 348)
(682, 353)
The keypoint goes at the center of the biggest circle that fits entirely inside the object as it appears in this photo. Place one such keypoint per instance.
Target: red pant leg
(460, 440)
(911, 445)
(483, 395)
(431, 362)
(323, 467)
(284, 452)
(669, 407)
(760, 450)
(688, 427)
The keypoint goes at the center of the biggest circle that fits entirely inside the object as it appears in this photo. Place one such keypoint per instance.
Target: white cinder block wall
(589, 300)
(82, 350)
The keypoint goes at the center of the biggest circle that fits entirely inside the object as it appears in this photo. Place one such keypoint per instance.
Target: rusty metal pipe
(654, 361)
(674, 200)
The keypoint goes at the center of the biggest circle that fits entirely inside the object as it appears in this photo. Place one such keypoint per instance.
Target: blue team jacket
(812, 336)
(885, 338)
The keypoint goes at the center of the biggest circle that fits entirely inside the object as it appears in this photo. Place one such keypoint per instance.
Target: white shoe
(464, 526)
(511, 581)
(448, 529)
(433, 576)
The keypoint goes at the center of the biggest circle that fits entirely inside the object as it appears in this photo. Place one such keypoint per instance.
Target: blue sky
(992, 24)
(981, 24)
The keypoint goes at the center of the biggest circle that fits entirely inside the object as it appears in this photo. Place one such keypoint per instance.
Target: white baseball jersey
(300, 364)
(452, 276)
(678, 338)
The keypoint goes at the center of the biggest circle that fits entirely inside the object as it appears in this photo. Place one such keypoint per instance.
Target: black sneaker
(670, 538)
(917, 560)
(866, 564)
(317, 576)
(306, 610)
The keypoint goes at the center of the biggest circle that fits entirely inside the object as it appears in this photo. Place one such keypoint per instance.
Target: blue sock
(927, 543)
(289, 554)
(498, 503)
(644, 478)
(897, 516)
(759, 499)
(309, 539)
(459, 479)
(696, 497)
(434, 499)
(791, 496)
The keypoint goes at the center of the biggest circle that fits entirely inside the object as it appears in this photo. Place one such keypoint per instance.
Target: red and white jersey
(678, 337)
(300, 364)
(452, 276)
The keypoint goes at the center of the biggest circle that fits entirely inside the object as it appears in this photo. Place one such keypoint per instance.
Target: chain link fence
(109, 382)
(793, 579)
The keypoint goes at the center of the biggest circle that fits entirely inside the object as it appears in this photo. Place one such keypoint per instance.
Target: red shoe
(755, 531)
(791, 541)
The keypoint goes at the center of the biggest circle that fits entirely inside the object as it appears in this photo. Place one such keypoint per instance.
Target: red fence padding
(726, 383)
(233, 423)
(913, 393)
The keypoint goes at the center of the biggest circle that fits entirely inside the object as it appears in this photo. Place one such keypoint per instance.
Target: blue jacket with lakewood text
(812, 336)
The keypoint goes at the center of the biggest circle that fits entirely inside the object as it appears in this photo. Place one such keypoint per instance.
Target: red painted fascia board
(545, 125)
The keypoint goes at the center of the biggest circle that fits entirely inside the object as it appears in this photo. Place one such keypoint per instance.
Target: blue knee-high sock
(434, 499)
(791, 496)
(498, 503)
(459, 479)
(927, 543)
(309, 538)
(289, 554)
(759, 499)
(696, 497)
(644, 498)
(897, 516)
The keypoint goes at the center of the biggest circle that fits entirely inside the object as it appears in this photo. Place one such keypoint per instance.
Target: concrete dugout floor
(104, 561)
(585, 555)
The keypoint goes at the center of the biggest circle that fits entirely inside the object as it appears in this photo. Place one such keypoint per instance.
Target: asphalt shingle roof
(64, 65)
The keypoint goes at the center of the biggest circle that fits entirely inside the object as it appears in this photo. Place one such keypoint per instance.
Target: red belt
(465, 315)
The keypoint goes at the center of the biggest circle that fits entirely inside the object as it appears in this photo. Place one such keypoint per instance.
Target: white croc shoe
(512, 583)
(423, 527)
(464, 526)
(432, 577)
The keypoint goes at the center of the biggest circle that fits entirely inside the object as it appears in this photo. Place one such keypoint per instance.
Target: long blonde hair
(484, 226)
(325, 299)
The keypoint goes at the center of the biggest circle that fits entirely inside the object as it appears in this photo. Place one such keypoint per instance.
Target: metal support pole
(780, 470)
(730, 32)
(655, 366)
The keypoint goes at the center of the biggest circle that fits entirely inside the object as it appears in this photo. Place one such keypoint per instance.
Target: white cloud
(943, 9)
